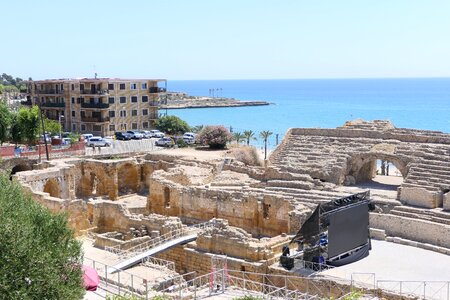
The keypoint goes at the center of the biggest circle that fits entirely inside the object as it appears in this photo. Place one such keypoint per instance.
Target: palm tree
(265, 135)
(249, 135)
(238, 137)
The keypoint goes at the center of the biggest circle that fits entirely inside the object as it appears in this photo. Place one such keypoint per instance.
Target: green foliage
(172, 125)
(216, 137)
(354, 295)
(197, 129)
(248, 297)
(16, 133)
(11, 84)
(39, 256)
(249, 135)
(74, 138)
(265, 134)
(181, 143)
(238, 137)
(124, 297)
(51, 126)
(5, 122)
(28, 119)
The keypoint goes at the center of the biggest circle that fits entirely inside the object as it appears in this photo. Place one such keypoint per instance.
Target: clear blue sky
(225, 39)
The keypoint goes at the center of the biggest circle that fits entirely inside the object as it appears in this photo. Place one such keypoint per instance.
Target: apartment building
(99, 106)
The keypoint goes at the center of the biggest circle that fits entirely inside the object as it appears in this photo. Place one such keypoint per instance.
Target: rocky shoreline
(182, 100)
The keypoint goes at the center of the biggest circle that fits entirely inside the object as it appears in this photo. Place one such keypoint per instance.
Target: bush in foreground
(39, 257)
(247, 155)
(216, 137)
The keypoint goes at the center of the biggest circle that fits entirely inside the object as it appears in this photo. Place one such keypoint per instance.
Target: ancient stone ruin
(126, 202)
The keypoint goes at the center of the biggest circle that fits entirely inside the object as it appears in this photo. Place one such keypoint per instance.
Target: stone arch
(362, 167)
(53, 188)
(128, 179)
(19, 168)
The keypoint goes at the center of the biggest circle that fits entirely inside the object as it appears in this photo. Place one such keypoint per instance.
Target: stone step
(296, 184)
(427, 187)
(420, 216)
(437, 212)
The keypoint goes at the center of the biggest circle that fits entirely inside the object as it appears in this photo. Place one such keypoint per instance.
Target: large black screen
(348, 229)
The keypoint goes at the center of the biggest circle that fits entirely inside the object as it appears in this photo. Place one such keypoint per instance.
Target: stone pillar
(114, 188)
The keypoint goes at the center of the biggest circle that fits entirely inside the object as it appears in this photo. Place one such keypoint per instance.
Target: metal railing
(121, 282)
(125, 253)
(158, 263)
(435, 290)
(94, 105)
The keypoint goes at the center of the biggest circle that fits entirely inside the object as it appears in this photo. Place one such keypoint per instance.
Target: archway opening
(19, 168)
(382, 174)
(52, 187)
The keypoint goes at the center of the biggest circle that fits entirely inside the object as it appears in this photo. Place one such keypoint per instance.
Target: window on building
(111, 86)
(83, 114)
(144, 85)
(144, 98)
(97, 128)
(122, 86)
(123, 99)
(73, 100)
(123, 113)
(134, 112)
(83, 127)
(133, 86)
(73, 113)
(112, 127)
(73, 87)
(111, 100)
(74, 127)
(123, 127)
(134, 126)
(145, 125)
(81, 86)
(62, 87)
(112, 113)
(82, 99)
(134, 99)
(145, 112)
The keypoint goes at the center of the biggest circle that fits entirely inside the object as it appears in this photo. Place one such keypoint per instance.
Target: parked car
(164, 142)
(87, 136)
(189, 137)
(124, 136)
(98, 141)
(156, 133)
(136, 135)
(48, 139)
(147, 134)
(66, 141)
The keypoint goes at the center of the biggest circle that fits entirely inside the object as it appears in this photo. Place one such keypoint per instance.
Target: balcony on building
(94, 119)
(95, 105)
(49, 92)
(155, 89)
(53, 104)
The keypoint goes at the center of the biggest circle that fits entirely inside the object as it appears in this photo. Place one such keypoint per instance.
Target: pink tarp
(91, 279)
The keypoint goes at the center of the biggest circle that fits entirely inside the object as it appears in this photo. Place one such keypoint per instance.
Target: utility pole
(43, 130)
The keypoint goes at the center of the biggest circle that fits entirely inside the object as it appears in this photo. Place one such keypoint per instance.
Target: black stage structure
(336, 233)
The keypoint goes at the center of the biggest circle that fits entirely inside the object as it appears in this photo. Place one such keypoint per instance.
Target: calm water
(411, 103)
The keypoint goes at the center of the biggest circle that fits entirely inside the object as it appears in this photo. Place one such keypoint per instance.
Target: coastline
(177, 100)
(237, 103)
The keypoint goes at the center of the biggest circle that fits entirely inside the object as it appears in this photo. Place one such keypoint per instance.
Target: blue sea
(324, 103)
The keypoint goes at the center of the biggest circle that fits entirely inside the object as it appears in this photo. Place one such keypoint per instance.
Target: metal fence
(434, 290)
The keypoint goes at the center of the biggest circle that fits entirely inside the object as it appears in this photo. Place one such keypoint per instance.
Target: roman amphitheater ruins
(183, 217)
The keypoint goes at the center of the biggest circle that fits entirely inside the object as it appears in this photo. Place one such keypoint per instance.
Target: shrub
(181, 143)
(172, 125)
(247, 155)
(40, 258)
(216, 137)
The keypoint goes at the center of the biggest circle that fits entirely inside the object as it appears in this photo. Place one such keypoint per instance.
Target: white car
(189, 137)
(98, 141)
(156, 133)
(87, 136)
(147, 134)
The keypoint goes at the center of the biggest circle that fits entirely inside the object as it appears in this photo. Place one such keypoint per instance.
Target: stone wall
(412, 229)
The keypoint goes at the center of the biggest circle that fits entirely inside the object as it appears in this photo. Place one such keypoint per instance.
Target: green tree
(5, 122)
(265, 134)
(238, 137)
(39, 255)
(16, 132)
(216, 137)
(249, 135)
(51, 126)
(172, 125)
(28, 119)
